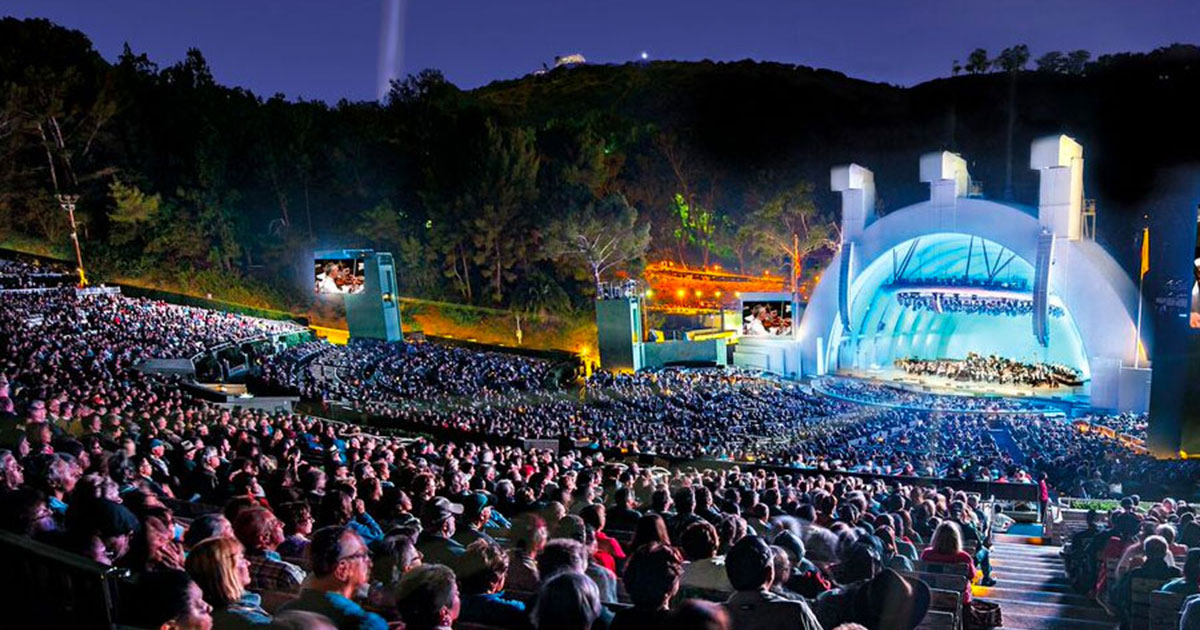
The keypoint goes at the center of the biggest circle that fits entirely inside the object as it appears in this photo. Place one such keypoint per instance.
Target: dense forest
(522, 193)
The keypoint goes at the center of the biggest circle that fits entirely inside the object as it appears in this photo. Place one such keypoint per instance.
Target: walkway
(1005, 442)
(1033, 591)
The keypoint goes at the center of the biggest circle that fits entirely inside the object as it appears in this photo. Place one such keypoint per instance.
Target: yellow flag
(1145, 251)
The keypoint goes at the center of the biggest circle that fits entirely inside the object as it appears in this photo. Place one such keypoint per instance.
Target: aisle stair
(1033, 590)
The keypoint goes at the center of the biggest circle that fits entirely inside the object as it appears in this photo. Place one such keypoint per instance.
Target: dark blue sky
(329, 49)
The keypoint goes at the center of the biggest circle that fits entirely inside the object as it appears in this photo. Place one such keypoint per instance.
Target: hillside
(191, 185)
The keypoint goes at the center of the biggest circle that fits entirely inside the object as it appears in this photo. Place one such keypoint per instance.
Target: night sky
(330, 49)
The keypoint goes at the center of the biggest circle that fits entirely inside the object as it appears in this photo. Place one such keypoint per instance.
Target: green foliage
(133, 214)
(698, 225)
(1012, 59)
(382, 226)
(462, 315)
(789, 227)
(602, 235)
(978, 62)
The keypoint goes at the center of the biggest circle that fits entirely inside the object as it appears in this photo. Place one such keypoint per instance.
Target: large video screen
(767, 318)
(338, 276)
(1194, 315)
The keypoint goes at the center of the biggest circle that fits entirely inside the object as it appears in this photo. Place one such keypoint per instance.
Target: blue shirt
(344, 613)
(492, 609)
(245, 613)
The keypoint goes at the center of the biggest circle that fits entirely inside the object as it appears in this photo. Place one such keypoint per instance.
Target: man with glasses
(260, 533)
(341, 568)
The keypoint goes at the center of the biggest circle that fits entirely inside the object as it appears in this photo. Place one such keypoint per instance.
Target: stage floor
(938, 385)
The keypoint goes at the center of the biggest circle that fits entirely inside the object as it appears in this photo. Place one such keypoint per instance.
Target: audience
(125, 467)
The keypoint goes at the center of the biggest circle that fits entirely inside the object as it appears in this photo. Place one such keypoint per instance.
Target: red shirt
(961, 557)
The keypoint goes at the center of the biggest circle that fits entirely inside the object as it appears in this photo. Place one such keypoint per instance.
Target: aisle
(1033, 591)
(1005, 442)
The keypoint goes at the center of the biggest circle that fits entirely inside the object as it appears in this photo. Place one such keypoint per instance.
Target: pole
(1143, 267)
(1137, 337)
(795, 255)
(68, 203)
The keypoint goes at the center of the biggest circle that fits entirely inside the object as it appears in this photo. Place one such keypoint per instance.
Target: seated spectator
(651, 528)
(207, 526)
(24, 512)
(341, 565)
(567, 601)
(391, 557)
(888, 601)
(436, 542)
(695, 614)
(528, 538)
(111, 524)
(891, 556)
(222, 572)
(260, 533)
(427, 598)
(685, 513)
(481, 576)
(340, 508)
(651, 579)
(705, 570)
(946, 546)
(169, 600)
(608, 553)
(1189, 583)
(1158, 566)
(573, 527)
(622, 516)
(783, 573)
(297, 527)
(1167, 531)
(12, 475)
(476, 513)
(153, 546)
(806, 579)
(299, 620)
(750, 565)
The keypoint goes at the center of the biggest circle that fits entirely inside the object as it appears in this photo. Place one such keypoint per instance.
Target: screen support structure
(375, 312)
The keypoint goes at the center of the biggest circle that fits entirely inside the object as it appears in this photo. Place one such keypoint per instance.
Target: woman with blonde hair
(946, 546)
(220, 568)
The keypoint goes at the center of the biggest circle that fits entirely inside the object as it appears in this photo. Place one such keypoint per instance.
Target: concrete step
(1016, 621)
(1035, 596)
(1025, 583)
(1023, 606)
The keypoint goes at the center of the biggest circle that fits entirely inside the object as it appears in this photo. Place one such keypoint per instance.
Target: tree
(1051, 62)
(1076, 62)
(1012, 59)
(382, 225)
(788, 226)
(978, 62)
(601, 235)
(502, 230)
(133, 214)
(699, 225)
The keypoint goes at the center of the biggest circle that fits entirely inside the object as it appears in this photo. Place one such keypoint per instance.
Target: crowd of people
(26, 274)
(1135, 545)
(970, 304)
(890, 395)
(1006, 284)
(301, 522)
(993, 369)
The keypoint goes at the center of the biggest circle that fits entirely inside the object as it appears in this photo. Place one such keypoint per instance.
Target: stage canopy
(944, 295)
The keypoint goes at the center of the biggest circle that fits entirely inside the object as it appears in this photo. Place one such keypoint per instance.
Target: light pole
(68, 203)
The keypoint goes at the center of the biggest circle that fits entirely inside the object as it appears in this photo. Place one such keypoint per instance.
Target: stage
(1068, 397)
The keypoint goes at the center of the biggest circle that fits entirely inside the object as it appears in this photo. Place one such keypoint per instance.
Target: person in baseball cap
(436, 542)
(477, 510)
